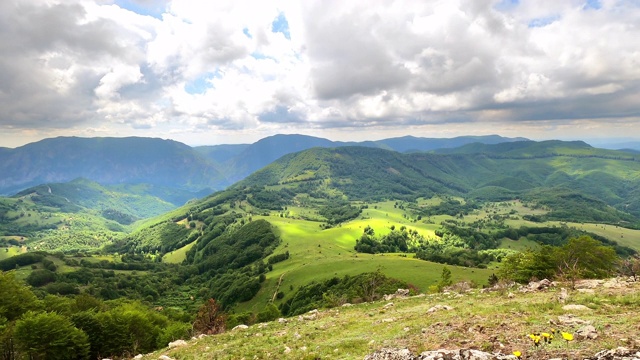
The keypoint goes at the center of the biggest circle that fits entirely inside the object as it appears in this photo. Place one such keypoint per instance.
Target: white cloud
(220, 67)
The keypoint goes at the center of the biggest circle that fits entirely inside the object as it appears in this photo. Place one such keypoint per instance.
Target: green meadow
(317, 254)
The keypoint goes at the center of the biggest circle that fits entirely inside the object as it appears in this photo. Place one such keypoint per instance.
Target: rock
(471, 354)
(139, 356)
(310, 317)
(574, 307)
(314, 311)
(391, 354)
(571, 321)
(347, 305)
(388, 297)
(587, 332)
(177, 343)
(240, 327)
(539, 285)
(615, 283)
(586, 291)
(620, 353)
(588, 284)
(388, 320)
(304, 348)
(402, 292)
(563, 296)
(438, 308)
(511, 295)
(389, 305)
(283, 320)
(287, 349)
(165, 357)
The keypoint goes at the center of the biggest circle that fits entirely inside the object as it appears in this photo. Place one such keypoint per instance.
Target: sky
(219, 72)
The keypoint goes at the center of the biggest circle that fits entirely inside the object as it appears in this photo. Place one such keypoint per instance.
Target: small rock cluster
(471, 354)
(461, 354)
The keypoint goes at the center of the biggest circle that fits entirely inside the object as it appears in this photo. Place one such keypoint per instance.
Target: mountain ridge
(169, 163)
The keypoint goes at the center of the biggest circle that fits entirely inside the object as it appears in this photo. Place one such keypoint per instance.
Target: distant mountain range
(239, 161)
(172, 164)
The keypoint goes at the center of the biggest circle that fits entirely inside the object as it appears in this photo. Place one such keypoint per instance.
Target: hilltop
(171, 164)
(491, 321)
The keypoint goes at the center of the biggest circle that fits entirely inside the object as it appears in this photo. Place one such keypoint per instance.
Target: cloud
(167, 67)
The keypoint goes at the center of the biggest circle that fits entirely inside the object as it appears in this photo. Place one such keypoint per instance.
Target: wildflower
(567, 336)
(517, 354)
(547, 337)
(536, 339)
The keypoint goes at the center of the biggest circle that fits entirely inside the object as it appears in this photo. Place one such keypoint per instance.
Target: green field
(177, 256)
(317, 254)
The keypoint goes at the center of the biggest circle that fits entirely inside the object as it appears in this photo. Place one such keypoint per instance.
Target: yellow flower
(547, 337)
(535, 338)
(517, 354)
(567, 336)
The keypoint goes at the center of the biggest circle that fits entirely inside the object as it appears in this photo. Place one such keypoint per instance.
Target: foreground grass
(490, 322)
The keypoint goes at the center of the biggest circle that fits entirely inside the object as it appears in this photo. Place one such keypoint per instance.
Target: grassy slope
(320, 254)
(489, 322)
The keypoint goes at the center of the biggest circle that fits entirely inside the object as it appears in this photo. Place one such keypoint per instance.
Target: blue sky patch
(247, 33)
(592, 4)
(506, 5)
(153, 8)
(200, 84)
(281, 25)
(542, 22)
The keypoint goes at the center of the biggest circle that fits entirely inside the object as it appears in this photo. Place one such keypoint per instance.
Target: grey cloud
(280, 114)
(32, 93)
(348, 57)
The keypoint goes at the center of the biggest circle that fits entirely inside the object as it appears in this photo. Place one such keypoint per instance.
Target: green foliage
(40, 277)
(334, 291)
(15, 298)
(445, 279)
(581, 257)
(50, 336)
(269, 313)
(21, 260)
(339, 211)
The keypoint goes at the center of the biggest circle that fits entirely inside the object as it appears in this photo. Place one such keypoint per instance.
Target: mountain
(221, 153)
(171, 164)
(137, 201)
(263, 152)
(542, 171)
(108, 161)
(415, 144)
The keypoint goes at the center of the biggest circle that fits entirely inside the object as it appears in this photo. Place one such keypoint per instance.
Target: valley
(322, 227)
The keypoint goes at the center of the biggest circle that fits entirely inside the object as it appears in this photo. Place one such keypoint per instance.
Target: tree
(15, 298)
(631, 267)
(210, 319)
(585, 257)
(50, 336)
(445, 278)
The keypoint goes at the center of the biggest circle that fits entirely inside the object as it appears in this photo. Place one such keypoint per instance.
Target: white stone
(177, 343)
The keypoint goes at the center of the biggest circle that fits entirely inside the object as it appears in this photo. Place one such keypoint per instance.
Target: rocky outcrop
(620, 353)
(471, 354)
(461, 354)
